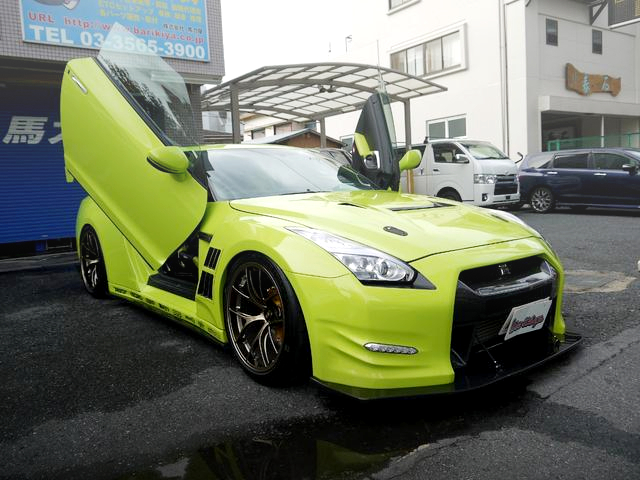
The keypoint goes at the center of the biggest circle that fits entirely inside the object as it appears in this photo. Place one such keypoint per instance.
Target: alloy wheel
(541, 200)
(255, 317)
(92, 263)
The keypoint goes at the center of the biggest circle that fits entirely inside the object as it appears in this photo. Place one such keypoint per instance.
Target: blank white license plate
(526, 318)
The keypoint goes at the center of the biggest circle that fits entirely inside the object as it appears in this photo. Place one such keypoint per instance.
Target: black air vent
(205, 287)
(212, 258)
(347, 204)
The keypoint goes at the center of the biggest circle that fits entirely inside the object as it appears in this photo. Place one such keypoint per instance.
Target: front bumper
(342, 316)
(495, 194)
(466, 381)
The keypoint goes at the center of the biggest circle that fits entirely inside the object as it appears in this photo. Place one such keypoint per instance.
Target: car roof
(551, 153)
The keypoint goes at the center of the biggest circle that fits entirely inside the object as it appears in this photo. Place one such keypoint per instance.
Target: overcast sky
(259, 32)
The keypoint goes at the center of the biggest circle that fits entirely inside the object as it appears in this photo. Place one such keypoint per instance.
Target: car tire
(92, 265)
(449, 194)
(264, 322)
(542, 200)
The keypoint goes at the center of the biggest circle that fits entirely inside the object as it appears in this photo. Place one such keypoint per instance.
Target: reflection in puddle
(266, 459)
(353, 443)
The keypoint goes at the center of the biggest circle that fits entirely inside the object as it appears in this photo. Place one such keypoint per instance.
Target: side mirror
(168, 159)
(631, 169)
(410, 160)
(372, 160)
(461, 158)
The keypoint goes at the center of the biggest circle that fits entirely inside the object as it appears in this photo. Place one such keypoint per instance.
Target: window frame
(596, 43)
(399, 58)
(447, 129)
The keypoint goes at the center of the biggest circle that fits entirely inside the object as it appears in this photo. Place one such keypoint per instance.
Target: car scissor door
(124, 117)
(373, 152)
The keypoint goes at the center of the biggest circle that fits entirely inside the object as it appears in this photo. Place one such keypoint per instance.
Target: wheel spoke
(251, 321)
(254, 290)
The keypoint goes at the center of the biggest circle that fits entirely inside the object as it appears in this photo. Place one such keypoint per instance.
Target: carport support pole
(323, 134)
(235, 115)
(407, 141)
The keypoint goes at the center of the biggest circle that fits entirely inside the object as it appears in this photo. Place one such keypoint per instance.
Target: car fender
(124, 266)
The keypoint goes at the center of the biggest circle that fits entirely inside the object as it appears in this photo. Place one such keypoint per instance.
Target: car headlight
(367, 264)
(484, 178)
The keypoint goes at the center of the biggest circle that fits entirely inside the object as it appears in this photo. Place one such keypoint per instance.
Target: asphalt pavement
(106, 390)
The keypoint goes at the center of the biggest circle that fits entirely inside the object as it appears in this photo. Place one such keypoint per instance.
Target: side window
(445, 153)
(574, 160)
(610, 161)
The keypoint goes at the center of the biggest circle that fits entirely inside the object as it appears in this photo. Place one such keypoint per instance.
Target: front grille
(505, 185)
(505, 189)
(486, 295)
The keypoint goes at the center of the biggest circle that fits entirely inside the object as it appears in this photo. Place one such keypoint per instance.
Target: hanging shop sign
(588, 83)
(170, 28)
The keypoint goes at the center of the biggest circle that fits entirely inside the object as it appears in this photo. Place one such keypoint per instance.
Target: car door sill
(177, 286)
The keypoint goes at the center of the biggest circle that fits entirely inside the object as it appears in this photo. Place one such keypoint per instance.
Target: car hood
(497, 167)
(403, 225)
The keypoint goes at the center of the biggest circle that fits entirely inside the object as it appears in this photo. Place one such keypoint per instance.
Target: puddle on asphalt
(356, 441)
(588, 281)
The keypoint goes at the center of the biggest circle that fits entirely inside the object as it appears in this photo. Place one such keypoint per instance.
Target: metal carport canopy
(313, 91)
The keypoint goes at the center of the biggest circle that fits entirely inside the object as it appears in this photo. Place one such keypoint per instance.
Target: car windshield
(234, 173)
(153, 88)
(484, 151)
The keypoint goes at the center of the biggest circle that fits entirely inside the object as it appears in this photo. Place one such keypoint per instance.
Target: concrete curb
(38, 262)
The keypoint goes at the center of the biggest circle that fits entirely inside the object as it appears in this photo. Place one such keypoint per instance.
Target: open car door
(373, 152)
(125, 115)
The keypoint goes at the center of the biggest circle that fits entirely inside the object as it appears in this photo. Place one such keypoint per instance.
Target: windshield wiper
(306, 191)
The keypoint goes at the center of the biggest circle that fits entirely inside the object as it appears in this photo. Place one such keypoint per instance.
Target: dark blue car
(590, 177)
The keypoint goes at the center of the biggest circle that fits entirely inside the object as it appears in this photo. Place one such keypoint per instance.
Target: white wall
(474, 91)
(534, 72)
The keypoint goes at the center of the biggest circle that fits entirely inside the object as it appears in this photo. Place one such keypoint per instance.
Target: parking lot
(104, 389)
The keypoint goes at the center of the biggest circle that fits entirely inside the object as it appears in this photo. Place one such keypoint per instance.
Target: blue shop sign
(170, 28)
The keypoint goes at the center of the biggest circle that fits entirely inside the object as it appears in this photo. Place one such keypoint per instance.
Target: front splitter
(464, 382)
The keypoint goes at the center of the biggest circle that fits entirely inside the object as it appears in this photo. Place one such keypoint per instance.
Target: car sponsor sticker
(525, 318)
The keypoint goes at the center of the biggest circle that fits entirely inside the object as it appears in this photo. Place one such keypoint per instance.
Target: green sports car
(304, 266)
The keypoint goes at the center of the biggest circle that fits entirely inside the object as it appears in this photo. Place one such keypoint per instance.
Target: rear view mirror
(168, 159)
(372, 161)
(629, 168)
(461, 158)
(410, 160)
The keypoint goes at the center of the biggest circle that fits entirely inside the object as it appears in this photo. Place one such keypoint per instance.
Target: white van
(467, 171)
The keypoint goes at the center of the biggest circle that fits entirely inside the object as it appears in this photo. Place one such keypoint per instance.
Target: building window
(436, 55)
(258, 133)
(596, 41)
(552, 32)
(397, 3)
(454, 127)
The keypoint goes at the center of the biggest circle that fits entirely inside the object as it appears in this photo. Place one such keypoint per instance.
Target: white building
(504, 63)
